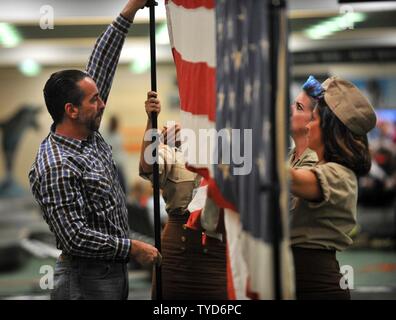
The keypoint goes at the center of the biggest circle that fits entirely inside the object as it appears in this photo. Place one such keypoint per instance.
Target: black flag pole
(276, 8)
(157, 221)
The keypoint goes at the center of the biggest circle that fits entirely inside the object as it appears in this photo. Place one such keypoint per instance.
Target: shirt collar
(69, 143)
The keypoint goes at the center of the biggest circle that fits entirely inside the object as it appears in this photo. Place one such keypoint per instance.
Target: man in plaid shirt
(75, 182)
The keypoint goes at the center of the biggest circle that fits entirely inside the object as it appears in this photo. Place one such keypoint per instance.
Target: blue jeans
(87, 279)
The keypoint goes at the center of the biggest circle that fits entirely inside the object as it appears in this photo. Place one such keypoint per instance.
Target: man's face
(92, 106)
(301, 113)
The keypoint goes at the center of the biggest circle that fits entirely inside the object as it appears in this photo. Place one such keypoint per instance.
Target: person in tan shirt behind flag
(193, 265)
(325, 213)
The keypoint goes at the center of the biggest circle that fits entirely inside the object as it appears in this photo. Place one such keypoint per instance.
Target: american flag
(221, 51)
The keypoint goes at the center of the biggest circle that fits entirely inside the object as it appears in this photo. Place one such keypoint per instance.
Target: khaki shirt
(307, 159)
(177, 182)
(327, 224)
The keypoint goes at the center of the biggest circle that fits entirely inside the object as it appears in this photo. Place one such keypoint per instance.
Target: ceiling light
(336, 24)
(29, 68)
(9, 35)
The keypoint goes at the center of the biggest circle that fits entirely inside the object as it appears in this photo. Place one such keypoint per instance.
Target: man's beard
(94, 124)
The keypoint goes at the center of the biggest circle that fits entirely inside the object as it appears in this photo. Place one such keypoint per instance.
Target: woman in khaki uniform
(325, 212)
(190, 269)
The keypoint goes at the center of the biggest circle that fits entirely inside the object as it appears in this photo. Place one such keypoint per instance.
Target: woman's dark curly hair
(341, 145)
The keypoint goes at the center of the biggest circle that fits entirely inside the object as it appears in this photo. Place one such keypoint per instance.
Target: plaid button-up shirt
(75, 182)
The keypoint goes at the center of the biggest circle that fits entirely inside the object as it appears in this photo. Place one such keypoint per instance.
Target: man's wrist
(123, 248)
(129, 17)
(132, 248)
(121, 24)
(129, 13)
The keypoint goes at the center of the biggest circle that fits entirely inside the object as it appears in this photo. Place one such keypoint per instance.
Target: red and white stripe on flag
(191, 25)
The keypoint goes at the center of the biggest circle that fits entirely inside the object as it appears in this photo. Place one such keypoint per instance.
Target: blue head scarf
(313, 88)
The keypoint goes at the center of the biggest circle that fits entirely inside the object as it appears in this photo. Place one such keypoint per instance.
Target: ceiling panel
(79, 22)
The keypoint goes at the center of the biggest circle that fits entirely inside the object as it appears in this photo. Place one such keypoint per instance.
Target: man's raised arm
(104, 59)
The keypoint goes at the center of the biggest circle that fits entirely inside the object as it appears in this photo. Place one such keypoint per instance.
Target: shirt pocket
(180, 173)
(97, 183)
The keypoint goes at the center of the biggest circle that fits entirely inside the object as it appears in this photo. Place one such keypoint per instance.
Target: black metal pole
(275, 6)
(157, 220)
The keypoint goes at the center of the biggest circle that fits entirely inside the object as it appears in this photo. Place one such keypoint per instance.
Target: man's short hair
(62, 88)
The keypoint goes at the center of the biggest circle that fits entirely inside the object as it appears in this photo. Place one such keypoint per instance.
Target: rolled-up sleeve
(166, 158)
(336, 183)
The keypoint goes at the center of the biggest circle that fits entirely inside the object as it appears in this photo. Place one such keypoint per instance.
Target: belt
(66, 257)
